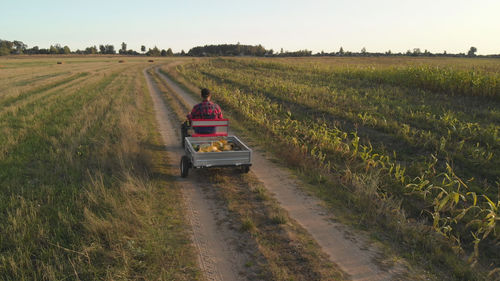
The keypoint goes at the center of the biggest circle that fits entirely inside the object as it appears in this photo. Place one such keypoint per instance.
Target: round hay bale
(150, 60)
(59, 62)
(121, 61)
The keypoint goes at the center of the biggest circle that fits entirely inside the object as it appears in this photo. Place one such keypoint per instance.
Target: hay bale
(150, 60)
(121, 61)
(59, 62)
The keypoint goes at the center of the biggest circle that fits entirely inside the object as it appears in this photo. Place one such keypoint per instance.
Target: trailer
(200, 134)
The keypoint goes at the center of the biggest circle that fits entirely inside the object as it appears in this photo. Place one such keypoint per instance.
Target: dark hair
(205, 93)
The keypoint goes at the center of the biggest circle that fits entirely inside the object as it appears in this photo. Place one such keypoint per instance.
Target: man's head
(205, 93)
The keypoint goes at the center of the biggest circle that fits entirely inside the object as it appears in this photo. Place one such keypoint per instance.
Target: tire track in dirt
(216, 255)
(349, 251)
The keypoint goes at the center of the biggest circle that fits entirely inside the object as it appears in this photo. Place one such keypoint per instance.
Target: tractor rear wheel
(245, 169)
(185, 164)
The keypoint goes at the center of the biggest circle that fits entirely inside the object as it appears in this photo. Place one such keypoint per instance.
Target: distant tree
(169, 52)
(132, 53)
(416, 52)
(143, 48)
(91, 50)
(5, 47)
(66, 50)
(228, 50)
(14, 47)
(123, 50)
(260, 51)
(4, 51)
(183, 53)
(238, 48)
(155, 52)
(107, 49)
(163, 53)
(110, 49)
(363, 51)
(472, 51)
(52, 50)
(19, 47)
(57, 49)
(281, 51)
(300, 53)
(33, 51)
(388, 53)
(341, 51)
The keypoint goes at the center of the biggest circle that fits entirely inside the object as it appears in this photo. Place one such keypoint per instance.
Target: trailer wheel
(183, 135)
(245, 169)
(184, 166)
(184, 132)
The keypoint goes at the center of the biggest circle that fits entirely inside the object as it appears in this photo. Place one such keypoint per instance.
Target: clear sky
(317, 25)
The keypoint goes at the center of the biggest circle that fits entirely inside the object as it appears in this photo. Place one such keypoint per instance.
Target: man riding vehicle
(204, 110)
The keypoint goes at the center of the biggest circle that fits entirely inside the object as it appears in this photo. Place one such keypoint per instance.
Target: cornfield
(431, 132)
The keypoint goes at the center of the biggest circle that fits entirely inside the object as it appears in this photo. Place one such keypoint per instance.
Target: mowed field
(84, 192)
(404, 149)
(408, 146)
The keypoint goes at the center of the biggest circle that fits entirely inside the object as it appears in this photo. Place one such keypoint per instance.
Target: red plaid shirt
(206, 110)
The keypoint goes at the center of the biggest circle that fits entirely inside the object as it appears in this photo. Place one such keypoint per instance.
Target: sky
(316, 25)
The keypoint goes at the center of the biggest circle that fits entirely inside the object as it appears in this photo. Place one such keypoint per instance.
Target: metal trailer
(241, 157)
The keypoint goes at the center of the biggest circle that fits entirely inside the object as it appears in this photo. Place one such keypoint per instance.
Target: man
(205, 110)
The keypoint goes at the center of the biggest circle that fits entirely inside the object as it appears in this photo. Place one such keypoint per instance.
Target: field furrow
(35, 115)
(13, 85)
(40, 97)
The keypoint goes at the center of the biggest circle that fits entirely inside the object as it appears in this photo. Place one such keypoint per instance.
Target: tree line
(229, 50)
(416, 52)
(259, 51)
(18, 47)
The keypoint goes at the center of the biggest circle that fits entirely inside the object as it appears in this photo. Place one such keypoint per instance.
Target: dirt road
(217, 255)
(349, 251)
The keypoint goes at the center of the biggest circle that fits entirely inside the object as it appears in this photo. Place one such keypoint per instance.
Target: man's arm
(218, 113)
(194, 112)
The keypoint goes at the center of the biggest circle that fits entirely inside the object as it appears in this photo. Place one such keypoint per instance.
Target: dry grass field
(84, 192)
